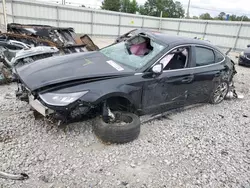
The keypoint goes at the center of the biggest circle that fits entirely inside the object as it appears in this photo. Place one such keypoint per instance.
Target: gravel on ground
(206, 146)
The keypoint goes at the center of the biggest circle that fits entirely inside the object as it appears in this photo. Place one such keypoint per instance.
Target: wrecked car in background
(244, 57)
(15, 53)
(65, 39)
(27, 43)
(29, 40)
(148, 73)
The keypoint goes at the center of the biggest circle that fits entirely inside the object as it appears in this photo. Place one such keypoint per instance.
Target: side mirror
(248, 45)
(157, 69)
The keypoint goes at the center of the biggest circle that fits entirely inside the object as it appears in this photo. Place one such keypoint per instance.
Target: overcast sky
(214, 7)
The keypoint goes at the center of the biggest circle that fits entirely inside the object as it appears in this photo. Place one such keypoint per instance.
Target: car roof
(167, 40)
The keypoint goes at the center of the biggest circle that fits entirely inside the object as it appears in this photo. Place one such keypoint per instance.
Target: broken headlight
(61, 99)
(242, 54)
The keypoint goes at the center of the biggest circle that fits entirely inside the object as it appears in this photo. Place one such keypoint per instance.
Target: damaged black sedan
(147, 73)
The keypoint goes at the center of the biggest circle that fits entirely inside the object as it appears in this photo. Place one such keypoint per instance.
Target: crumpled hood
(59, 69)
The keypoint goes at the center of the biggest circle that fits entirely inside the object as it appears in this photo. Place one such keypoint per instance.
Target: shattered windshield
(135, 53)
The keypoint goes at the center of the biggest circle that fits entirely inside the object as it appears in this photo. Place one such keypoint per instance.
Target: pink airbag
(139, 49)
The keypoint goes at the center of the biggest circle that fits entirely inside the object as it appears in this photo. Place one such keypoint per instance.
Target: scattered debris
(196, 138)
(224, 152)
(5, 74)
(9, 96)
(44, 178)
(21, 176)
(124, 183)
(221, 116)
(232, 94)
(132, 165)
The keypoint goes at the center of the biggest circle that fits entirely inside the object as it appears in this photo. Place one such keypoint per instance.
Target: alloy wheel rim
(220, 92)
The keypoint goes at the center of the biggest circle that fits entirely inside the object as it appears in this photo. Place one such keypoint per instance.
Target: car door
(207, 68)
(169, 89)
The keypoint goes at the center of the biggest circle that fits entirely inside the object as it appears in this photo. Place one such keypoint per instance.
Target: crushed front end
(56, 107)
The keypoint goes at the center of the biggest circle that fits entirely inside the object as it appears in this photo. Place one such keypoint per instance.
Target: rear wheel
(125, 128)
(219, 92)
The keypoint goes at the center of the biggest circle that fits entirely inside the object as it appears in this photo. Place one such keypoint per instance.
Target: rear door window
(204, 56)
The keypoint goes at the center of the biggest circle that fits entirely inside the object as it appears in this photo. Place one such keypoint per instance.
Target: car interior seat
(178, 61)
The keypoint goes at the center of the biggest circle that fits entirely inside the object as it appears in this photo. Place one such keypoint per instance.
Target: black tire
(222, 94)
(114, 133)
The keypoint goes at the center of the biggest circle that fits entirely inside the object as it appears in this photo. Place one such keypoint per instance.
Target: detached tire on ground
(118, 132)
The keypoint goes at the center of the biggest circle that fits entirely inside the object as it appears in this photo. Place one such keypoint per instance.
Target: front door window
(177, 59)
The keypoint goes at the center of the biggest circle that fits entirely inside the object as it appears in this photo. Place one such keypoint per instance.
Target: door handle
(187, 79)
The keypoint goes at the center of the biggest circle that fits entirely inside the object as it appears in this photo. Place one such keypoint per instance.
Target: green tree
(221, 16)
(205, 16)
(125, 5)
(233, 17)
(133, 6)
(168, 7)
(195, 17)
(243, 18)
(129, 6)
(113, 5)
(142, 10)
(179, 11)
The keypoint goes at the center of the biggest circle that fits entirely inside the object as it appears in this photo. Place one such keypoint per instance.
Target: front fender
(132, 93)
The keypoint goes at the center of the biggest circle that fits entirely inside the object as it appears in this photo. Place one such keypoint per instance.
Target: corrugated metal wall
(107, 23)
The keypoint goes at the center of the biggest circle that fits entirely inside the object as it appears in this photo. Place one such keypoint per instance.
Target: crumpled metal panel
(5, 74)
(65, 39)
(90, 45)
